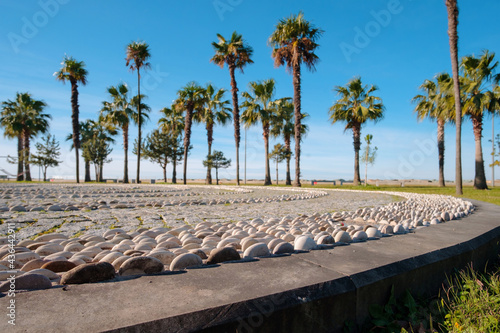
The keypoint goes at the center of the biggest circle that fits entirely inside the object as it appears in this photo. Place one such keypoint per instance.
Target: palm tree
(190, 98)
(356, 106)
(73, 71)
(12, 132)
(437, 104)
(119, 112)
(173, 122)
(478, 73)
(283, 125)
(259, 107)
(25, 119)
(294, 43)
(11, 121)
(215, 111)
(452, 8)
(137, 57)
(236, 54)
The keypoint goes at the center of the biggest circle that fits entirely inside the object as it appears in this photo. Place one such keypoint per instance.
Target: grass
(471, 303)
(80, 233)
(48, 231)
(492, 195)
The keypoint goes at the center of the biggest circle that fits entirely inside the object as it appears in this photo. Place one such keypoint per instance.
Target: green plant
(405, 314)
(48, 231)
(141, 222)
(472, 303)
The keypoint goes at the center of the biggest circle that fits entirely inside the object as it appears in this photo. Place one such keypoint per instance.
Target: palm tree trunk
(76, 124)
(356, 134)
(20, 158)
(26, 150)
(125, 150)
(236, 119)
(452, 8)
(210, 139)
(87, 172)
(277, 174)
(480, 177)
(187, 137)
(267, 180)
(287, 147)
(440, 142)
(298, 116)
(96, 169)
(138, 177)
(174, 171)
(101, 172)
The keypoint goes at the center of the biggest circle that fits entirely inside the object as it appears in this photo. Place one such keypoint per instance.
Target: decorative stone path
(89, 233)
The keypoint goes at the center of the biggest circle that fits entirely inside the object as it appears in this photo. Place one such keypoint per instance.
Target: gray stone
(446, 216)
(373, 233)
(165, 257)
(18, 209)
(46, 272)
(257, 250)
(200, 253)
(399, 230)
(28, 281)
(33, 264)
(185, 260)
(343, 237)
(24, 257)
(223, 254)
(304, 243)
(325, 240)
(89, 273)
(141, 265)
(283, 248)
(359, 236)
(54, 208)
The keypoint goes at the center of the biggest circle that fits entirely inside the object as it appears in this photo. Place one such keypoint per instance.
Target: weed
(141, 221)
(48, 231)
(472, 303)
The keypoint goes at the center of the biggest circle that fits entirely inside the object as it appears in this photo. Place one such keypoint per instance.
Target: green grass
(48, 231)
(492, 195)
(471, 303)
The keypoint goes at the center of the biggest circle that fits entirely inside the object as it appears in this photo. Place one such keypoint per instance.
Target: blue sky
(393, 44)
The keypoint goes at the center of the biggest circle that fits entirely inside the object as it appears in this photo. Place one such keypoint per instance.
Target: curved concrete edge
(317, 291)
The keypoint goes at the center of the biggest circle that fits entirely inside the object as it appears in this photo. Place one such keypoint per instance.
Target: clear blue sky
(399, 52)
